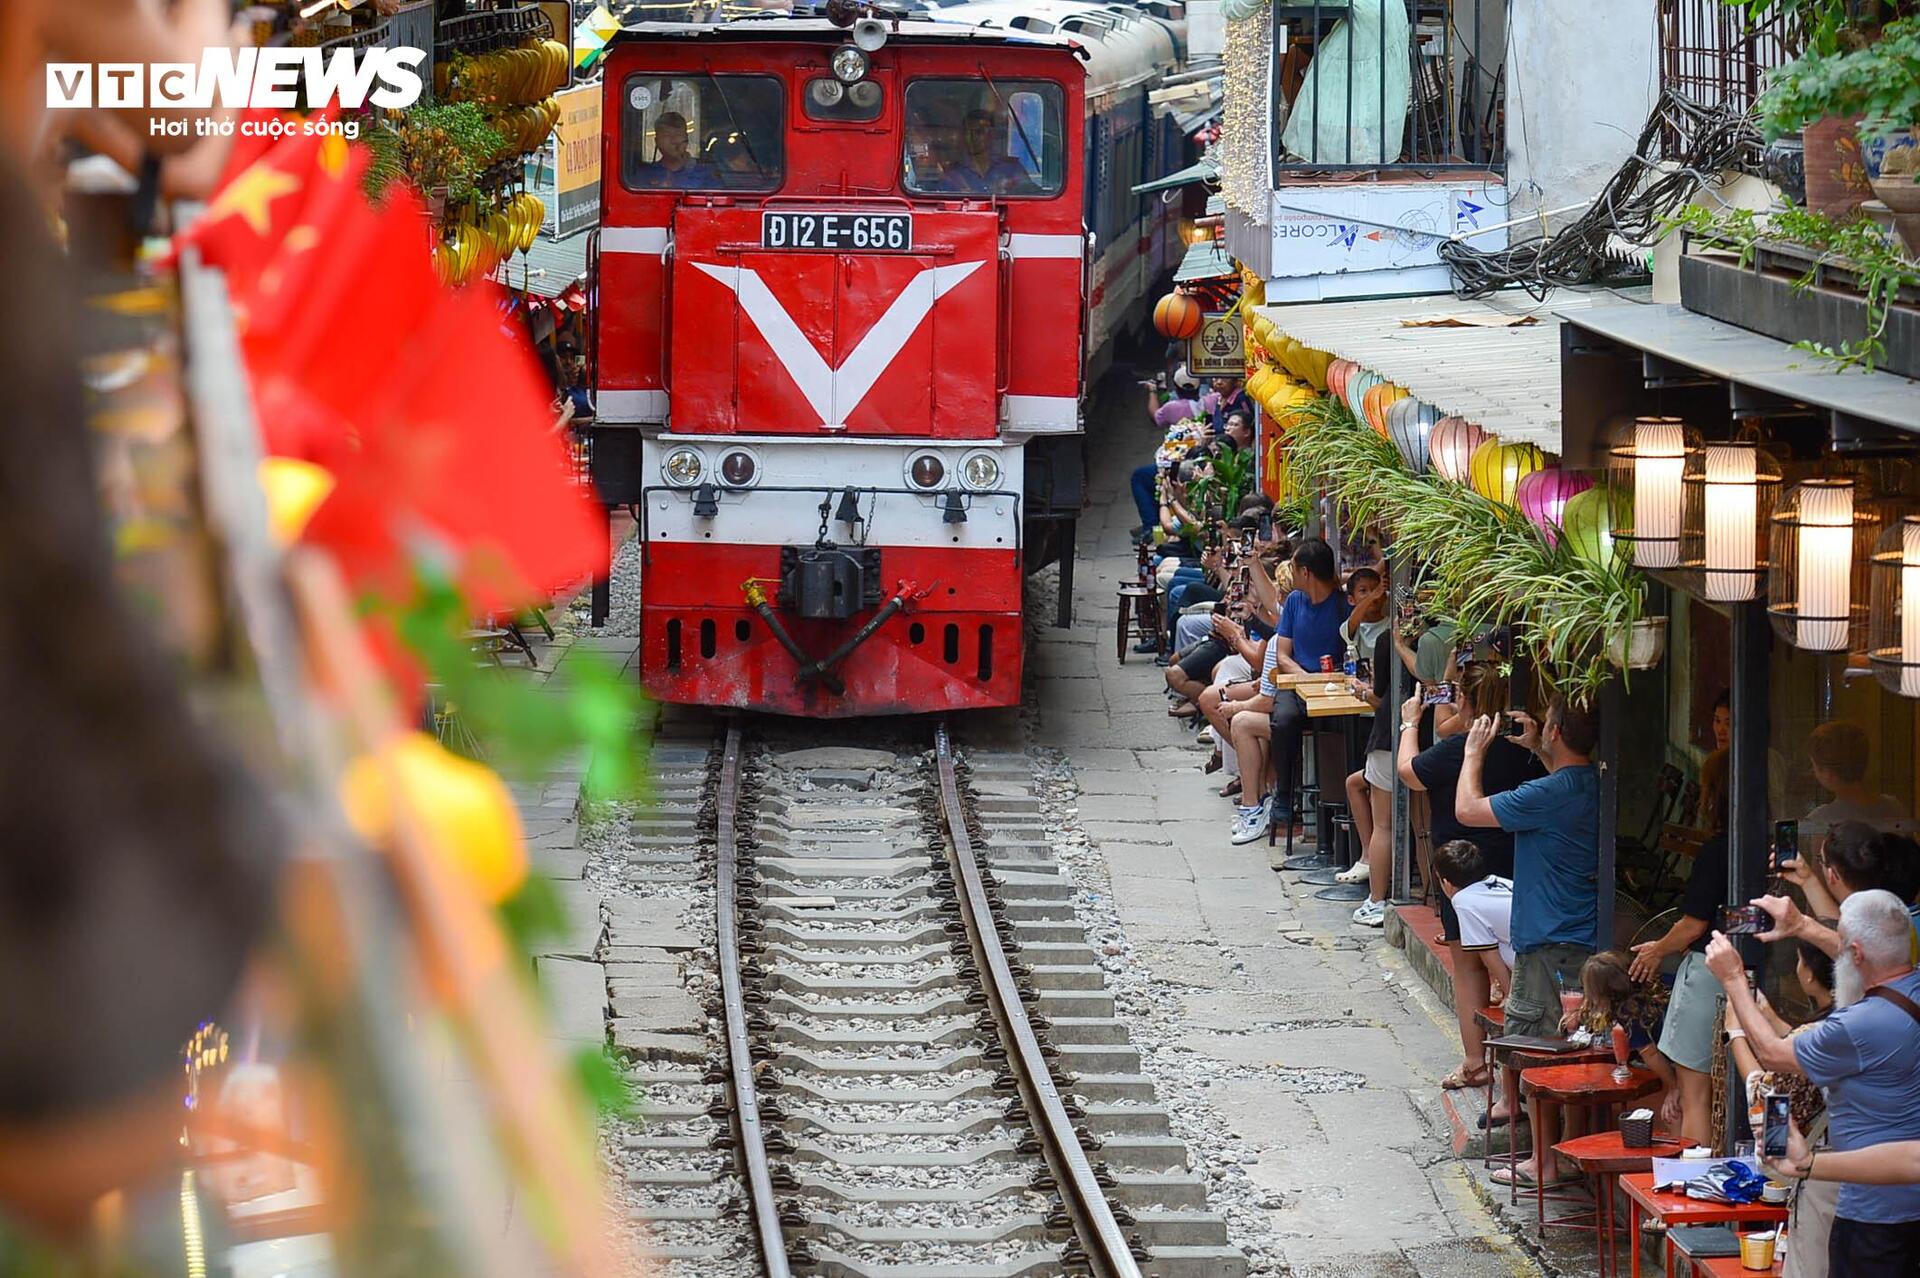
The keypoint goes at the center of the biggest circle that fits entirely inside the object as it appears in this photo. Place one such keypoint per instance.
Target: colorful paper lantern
(1410, 426)
(1357, 387)
(1452, 446)
(1177, 317)
(1543, 496)
(1377, 401)
(1338, 374)
(1586, 527)
(1498, 468)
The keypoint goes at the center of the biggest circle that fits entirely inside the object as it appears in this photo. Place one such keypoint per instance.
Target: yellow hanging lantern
(1498, 469)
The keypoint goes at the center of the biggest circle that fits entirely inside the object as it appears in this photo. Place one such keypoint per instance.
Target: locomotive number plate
(838, 232)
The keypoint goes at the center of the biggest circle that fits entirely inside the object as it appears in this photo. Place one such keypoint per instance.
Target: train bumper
(915, 661)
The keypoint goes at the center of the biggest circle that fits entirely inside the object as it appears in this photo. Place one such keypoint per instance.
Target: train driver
(674, 164)
(978, 169)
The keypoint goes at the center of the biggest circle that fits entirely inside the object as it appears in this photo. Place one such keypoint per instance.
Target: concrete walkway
(1328, 1047)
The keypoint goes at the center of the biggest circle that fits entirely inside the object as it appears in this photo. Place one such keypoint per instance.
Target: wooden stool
(1585, 1086)
(1606, 1157)
(1510, 1060)
(1145, 614)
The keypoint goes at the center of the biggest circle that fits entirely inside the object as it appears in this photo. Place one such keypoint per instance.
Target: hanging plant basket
(1642, 647)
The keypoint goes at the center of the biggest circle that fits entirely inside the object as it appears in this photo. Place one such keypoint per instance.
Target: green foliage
(1486, 565)
(430, 146)
(1819, 26)
(1859, 246)
(525, 727)
(1225, 485)
(1880, 82)
(609, 1089)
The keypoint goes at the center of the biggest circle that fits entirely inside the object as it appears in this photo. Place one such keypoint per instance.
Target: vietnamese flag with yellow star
(435, 423)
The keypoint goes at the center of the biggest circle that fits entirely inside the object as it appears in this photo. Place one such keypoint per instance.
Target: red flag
(256, 203)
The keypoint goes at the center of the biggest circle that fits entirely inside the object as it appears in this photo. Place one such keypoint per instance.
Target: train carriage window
(985, 137)
(828, 99)
(702, 132)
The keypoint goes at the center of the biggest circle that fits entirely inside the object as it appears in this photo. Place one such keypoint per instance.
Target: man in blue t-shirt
(1306, 637)
(1555, 823)
(1866, 1055)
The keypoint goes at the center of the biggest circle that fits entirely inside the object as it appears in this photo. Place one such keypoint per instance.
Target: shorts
(1235, 669)
(1380, 770)
(1691, 1036)
(1449, 921)
(1199, 664)
(1533, 1003)
(1859, 1249)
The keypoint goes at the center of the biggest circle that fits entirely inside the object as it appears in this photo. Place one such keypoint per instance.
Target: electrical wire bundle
(1650, 185)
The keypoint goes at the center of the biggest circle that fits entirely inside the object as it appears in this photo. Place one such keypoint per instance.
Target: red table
(1730, 1267)
(1606, 1157)
(1677, 1209)
(1589, 1085)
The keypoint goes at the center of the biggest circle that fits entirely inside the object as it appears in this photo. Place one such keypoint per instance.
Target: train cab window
(702, 132)
(829, 100)
(985, 137)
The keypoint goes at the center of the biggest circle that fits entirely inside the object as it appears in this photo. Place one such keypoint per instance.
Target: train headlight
(865, 95)
(980, 471)
(849, 64)
(925, 471)
(826, 93)
(739, 469)
(683, 468)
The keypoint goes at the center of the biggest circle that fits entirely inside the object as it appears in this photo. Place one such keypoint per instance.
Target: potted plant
(1842, 85)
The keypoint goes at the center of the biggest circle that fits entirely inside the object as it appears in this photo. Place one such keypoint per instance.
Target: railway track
(922, 1072)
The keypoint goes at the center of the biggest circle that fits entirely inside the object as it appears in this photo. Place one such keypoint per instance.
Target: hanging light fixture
(1410, 425)
(1452, 445)
(1817, 583)
(1893, 642)
(1731, 489)
(1649, 462)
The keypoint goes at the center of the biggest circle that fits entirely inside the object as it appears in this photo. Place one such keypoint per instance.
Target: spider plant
(1486, 565)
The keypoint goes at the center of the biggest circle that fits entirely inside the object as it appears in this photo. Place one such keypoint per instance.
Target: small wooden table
(1730, 1267)
(1588, 1085)
(1606, 1157)
(1672, 1209)
(1509, 1060)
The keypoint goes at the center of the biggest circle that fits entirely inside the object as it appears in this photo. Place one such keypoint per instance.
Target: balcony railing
(1715, 55)
(1390, 86)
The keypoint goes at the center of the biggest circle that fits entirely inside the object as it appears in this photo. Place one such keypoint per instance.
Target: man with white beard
(1867, 1057)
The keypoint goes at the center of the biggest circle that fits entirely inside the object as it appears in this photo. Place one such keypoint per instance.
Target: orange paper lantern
(1177, 316)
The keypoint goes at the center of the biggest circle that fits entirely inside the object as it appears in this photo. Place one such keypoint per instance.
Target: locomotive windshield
(702, 132)
(984, 137)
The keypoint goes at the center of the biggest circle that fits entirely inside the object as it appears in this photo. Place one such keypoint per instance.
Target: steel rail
(746, 1100)
(1107, 1248)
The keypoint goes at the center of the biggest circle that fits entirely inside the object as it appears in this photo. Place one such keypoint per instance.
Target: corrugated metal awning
(1204, 171)
(1485, 366)
(550, 267)
(1207, 260)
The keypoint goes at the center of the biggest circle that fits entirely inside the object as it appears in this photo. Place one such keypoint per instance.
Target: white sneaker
(1371, 914)
(1358, 872)
(1251, 823)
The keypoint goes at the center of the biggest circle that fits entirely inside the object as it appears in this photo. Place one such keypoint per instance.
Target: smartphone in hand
(1744, 920)
(1437, 694)
(1774, 1129)
(1786, 843)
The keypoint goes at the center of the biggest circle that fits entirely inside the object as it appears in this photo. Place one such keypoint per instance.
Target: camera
(1786, 843)
(1744, 920)
(1774, 1129)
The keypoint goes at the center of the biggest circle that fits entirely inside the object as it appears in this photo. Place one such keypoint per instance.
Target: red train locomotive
(845, 294)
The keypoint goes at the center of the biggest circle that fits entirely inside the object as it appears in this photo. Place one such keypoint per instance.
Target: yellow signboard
(577, 171)
(1215, 351)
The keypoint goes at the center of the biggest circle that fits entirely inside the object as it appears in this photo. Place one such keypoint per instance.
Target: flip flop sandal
(1488, 1120)
(1214, 764)
(1186, 711)
(1465, 1080)
(1229, 790)
(1525, 1179)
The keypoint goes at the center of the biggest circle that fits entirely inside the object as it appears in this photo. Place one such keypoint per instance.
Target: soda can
(1326, 664)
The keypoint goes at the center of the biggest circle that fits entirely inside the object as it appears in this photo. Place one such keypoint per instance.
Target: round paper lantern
(1377, 401)
(1177, 316)
(1544, 494)
(1338, 373)
(1317, 365)
(1357, 387)
(1498, 469)
(1586, 523)
(1452, 446)
(1410, 426)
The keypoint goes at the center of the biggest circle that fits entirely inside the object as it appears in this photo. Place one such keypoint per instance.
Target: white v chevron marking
(834, 393)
